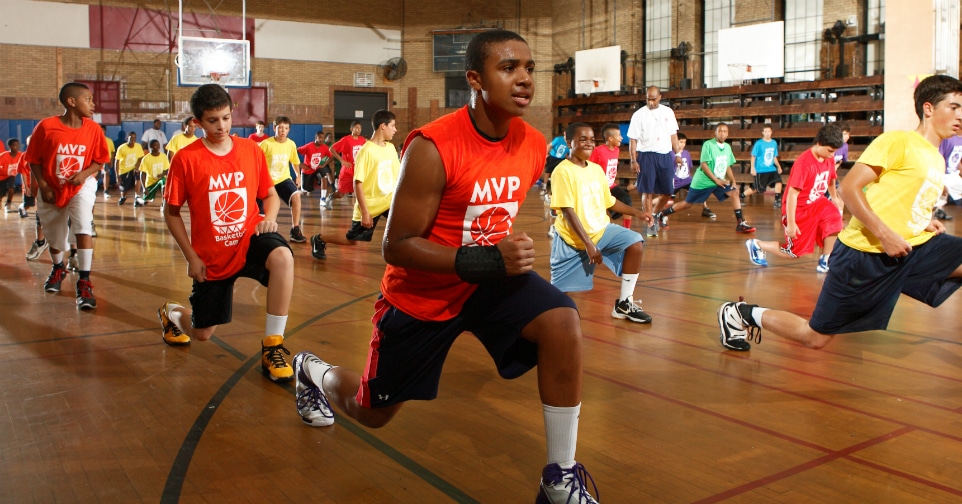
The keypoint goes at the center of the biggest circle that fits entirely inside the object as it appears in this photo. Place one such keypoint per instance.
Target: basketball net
(588, 86)
(215, 77)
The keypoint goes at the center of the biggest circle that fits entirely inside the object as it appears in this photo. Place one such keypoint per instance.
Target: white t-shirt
(652, 129)
(154, 134)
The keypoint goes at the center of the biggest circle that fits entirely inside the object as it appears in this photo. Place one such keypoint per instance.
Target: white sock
(323, 193)
(561, 433)
(85, 258)
(276, 324)
(56, 258)
(315, 372)
(757, 314)
(628, 283)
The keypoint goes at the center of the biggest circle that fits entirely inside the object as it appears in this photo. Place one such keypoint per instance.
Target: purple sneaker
(565, 486)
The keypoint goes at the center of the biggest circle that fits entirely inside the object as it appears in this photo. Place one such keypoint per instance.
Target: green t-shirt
(719, 157)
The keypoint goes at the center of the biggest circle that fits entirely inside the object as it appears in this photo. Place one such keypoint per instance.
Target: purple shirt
(683, 171)
(841, 154)
(951, 150)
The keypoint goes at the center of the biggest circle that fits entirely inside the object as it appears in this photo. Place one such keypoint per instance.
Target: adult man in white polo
(653, 142)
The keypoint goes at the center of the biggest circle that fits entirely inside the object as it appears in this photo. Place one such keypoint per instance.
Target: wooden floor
(94, 407)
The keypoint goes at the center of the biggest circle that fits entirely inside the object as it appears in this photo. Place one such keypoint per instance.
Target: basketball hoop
(215, 77)
(738, 71)
(588, 86)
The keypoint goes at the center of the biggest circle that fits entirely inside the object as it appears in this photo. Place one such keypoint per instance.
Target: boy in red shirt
(455, 265)
(65, 155)
(344, 151)
(220, 179)
(606, 156)
(808, 217)
(318, 159)
(259, 136)
(9, 166)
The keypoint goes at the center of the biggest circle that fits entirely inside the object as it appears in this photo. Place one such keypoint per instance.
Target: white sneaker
(72, 264)
(36, 250)
(311, 401)
(565, 485)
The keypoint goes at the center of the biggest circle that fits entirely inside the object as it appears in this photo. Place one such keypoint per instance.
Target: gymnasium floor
(94, 407)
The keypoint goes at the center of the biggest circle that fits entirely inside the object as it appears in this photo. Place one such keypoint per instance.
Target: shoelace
(578, 474)
(85, 288)
(753, 332)
(57, 275)
(314, 397)
(274, 355)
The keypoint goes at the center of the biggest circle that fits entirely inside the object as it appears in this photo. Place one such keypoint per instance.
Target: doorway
(350, 106)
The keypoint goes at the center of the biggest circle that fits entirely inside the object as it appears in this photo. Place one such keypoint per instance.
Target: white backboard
(598, 68)
(760, 45)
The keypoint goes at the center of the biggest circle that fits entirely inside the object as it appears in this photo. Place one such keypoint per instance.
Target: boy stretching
(891, 246)
(128, 159)
(153, 170)
(765, 167)
(9, 167)
(808, 217)
(714, 177)
(606, 156)
(584, 236)
(345, 151)
(219, 179)
(317, 166)
(281, 154)
(454, 265)
(375, 177)
(65, 155)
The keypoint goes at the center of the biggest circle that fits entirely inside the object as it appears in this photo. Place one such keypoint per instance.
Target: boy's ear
(474, 79)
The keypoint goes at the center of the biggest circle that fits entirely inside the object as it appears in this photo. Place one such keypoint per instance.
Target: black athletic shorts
(361, 233)
(765, 180)
(128, 181)
(621, 194)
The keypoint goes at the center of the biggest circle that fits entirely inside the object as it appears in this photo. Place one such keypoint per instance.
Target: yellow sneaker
(272, 362)
(172, 334)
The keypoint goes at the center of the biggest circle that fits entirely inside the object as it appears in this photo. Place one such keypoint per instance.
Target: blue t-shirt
(558, 148)
(765, 152)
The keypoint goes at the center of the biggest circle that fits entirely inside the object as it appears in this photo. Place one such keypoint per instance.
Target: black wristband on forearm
(479, 264)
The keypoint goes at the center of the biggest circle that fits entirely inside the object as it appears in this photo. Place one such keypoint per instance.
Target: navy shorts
(861, 289)
(657, 174)
(212, 301)
(701, 195)
(406, 354)
(285, 190)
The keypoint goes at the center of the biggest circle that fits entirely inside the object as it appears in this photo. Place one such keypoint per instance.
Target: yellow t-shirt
(179, 142)
(154, 167)
(279, 157)
(584, 190)
(128, 157)
(905, 192)
(111, 148)
(377, 169)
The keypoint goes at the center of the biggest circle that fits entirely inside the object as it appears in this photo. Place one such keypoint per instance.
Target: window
(718, 16)
(457, 93)
(657, 42)
(803, 40)
(875, 50)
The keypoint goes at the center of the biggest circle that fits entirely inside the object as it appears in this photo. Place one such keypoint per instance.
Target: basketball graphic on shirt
(228, 210)
(68, 166)
(488, 224)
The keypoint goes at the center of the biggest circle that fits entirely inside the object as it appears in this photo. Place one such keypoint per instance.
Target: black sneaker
(317, 247)
(941, 215)
(744, 228)
(121, 200)
(57, 274)
(297, 236)
(777, 204)
(85, 295)
(706, 212)
(627, 309)
(736, 326)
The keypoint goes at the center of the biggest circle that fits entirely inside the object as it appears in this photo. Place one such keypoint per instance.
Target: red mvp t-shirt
(607, 159)
(811, 178)
(314, 156)
(9, 165)
(62, 151)
(348, 147)
(221, 193)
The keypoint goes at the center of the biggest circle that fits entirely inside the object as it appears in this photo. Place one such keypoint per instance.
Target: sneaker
(551, 231)
(85, 295)
(627, 309)
(172, 334)
(57, 274)
(652, 230)
(311, 401)
(663, 219)
(36, 250)
(272, 362)
(330, 202)
(121, 200)
(706, 212)
(755, 253)
(941, 215)
(93, 230)
(822, 266)
(562, 486)
(777, 204)
(743, 227)
(139, 202)
(297, 236)
(735, 328)
(7, 209)
(22, 211)
(72, 264)
(317, 247)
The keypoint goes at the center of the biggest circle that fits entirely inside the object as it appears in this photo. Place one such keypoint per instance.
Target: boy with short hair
(258, 135)
(153, 170)
(220, 179)
(808, 218)
(606, 156)
(317, 166)
(891, 246)
(183, 140)
(128, 159)
(584, 236)
(714, 177)
(345, 151)
(375, 177)
(9, 167)
(281, 154)
(455, 265)
(65, 155)
(765, 167)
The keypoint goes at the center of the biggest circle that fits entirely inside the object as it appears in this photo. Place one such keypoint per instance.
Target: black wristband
(479, 264)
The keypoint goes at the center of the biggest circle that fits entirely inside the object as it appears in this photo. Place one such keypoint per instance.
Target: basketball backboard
(210, 60)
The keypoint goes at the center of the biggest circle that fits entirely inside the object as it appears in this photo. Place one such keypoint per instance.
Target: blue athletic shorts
(406, 354)
(570, 271)
(657, 174)
(701, 195)
(861, 289)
